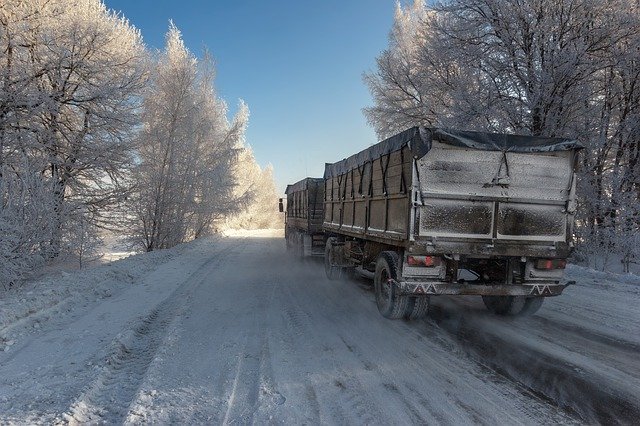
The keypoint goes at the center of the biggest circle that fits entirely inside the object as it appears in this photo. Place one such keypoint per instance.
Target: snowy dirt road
(232, 331)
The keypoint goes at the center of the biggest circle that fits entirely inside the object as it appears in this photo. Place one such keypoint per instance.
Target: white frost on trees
(96, 134)
(258, 185)
(70, 73)
(187, 151)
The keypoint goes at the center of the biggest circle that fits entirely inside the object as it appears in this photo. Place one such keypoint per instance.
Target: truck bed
(457, 192)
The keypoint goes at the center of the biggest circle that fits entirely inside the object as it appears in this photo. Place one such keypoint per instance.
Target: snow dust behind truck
(440, 212)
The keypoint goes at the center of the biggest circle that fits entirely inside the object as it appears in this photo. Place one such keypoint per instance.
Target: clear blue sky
(297, 64)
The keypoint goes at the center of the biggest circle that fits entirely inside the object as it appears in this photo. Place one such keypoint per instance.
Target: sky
(297, 64)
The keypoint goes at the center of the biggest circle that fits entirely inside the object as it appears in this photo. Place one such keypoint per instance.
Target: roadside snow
(254, 233)
(30, 305)
(601, 302)
(60, 334)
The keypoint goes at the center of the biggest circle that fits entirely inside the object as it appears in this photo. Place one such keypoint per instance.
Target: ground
(230, 330)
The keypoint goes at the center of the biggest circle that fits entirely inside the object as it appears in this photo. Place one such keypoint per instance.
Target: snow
(230, 330)
(601, 302)
(253, 233)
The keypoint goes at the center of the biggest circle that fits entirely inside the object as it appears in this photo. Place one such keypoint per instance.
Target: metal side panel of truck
(454, 212)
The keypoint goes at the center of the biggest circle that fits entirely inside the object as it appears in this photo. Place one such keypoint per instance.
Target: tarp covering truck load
(439, 212)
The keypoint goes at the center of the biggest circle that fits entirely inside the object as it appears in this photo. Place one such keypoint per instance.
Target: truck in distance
(303, 217)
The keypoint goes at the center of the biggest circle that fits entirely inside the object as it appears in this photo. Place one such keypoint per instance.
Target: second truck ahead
(303, 227)
(433, 212)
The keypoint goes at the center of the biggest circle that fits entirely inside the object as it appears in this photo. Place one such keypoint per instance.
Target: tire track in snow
(606, 344)
(414, 405)
(244, 398)
(240, 368)
(109, 397)
(553, 379)
(412, 342)
(349, 388)
(253, 392)
(413, 410)
(291, 337)
(350, 400)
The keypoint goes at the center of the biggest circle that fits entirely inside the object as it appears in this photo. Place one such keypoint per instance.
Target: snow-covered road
(230, 330)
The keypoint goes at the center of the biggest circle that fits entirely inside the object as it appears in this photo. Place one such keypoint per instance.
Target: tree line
(564, 68)
(98, 133)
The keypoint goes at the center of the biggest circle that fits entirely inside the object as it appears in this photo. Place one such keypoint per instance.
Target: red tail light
(423, 260)
(550, 264)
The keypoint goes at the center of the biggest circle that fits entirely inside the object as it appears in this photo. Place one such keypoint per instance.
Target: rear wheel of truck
(300, 247)
(417, 308)
(513, 305)
(287, 240)
(293, 244)
(532, 305)
(504, 305)
(331, 269)
(391, 303)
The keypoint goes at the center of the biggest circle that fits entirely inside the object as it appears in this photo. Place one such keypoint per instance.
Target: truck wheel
(391, 303)
(331, 270)
(504, 305)
(293, 245)
(287, 239)
(303, 254)
(531, 305)
(300, 247)
(417, 308)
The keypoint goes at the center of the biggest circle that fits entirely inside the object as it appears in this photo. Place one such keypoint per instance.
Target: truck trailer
(303, 217)
(434, 211)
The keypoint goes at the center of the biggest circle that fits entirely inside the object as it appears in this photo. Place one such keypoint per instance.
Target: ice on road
(231, 330)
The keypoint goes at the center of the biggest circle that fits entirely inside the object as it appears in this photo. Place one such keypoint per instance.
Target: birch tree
(187, 149)
(257, 186)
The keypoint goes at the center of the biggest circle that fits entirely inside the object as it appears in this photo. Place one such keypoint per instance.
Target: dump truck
(303, 231)
(434, 211)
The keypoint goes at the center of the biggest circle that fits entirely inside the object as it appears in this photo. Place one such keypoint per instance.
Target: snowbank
(27, 306)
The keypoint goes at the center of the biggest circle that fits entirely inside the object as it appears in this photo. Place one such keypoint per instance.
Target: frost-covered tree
(187, 150)
(398, 85)
(218, 194)
(258, 186)
(517, 66)
(70, 75)
(540, 67)
(25, 229)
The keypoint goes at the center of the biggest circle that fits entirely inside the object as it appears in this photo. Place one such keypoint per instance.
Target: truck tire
(531, 306)
(331, 270)
(293, 244)
(287, 239)
(303, 244)
(504, 305)
(391, 303)
(300, 247)
(417, 308)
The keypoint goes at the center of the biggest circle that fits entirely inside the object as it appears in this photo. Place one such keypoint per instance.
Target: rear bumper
(538, 289)
(490, 247)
